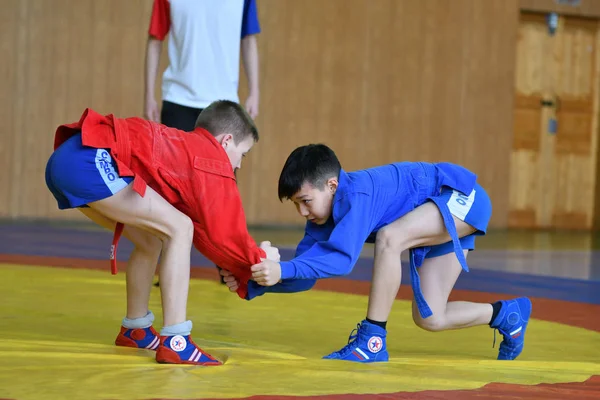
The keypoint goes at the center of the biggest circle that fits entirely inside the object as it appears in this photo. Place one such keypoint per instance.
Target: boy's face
(236, 152)
(315, 203)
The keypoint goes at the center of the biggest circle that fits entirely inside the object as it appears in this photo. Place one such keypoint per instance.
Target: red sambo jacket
(190, 170)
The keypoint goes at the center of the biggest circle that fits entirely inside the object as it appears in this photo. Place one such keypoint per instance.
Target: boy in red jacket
(165, 190)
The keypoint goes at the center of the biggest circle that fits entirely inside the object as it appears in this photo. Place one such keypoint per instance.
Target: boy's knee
(434, 323)
(147, 243)
(181, 227)
(389, 239)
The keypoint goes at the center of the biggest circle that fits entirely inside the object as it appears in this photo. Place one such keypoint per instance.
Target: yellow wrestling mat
(58, 327)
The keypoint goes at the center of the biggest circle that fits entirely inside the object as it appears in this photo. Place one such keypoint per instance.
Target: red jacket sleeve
(220, 229)
(160, 21)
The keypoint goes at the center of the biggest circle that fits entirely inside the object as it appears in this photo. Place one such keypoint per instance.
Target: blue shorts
(475, 210)
(77, 175)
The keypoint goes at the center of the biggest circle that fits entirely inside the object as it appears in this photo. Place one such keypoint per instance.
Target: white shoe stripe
(362, 353)
(153, 343)
(198, 357)
(156, 343)
(193, 355)
(516, 331)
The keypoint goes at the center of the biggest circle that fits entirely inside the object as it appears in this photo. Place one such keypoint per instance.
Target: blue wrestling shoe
(512, 322)
(366, 346)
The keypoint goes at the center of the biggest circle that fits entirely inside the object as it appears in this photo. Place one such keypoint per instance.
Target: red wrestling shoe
(141, 338)
(182, 350)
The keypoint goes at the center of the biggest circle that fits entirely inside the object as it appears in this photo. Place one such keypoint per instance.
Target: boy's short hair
(313, 164)
(224, 116)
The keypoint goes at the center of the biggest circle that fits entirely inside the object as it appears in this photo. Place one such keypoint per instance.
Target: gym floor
(61, 311)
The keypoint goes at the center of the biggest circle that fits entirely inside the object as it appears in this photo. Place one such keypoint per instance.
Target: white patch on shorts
(109, 175)
(460, 205)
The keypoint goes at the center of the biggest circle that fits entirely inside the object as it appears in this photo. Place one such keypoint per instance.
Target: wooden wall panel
(9, 87)
(380, 81)
(385, 81)
(585, 8)
(553, 170)
(59, 57)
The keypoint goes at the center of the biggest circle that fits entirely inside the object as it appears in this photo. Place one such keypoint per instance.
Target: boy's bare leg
(141, 265)
(438, 276)
(155, 215)
(423, 226)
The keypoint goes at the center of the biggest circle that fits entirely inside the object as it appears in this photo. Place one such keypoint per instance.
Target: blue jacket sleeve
(286, 285)
(353, 217)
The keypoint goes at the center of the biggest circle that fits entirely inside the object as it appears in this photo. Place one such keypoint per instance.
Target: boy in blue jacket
(434, 210)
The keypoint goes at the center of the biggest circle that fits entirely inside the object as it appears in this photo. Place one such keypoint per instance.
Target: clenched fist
(272, 252)
(266, 273)
(230, 280)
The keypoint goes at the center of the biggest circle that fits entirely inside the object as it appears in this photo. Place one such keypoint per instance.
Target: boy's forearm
(250, 60)
(153, 51)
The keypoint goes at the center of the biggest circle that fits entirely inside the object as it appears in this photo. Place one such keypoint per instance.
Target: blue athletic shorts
(77, 175)
(475, 210)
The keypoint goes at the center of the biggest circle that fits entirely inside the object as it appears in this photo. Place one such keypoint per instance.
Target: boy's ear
(225, 139)
(332, 184)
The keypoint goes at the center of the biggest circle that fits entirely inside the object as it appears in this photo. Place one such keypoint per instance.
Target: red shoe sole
(165, 355)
